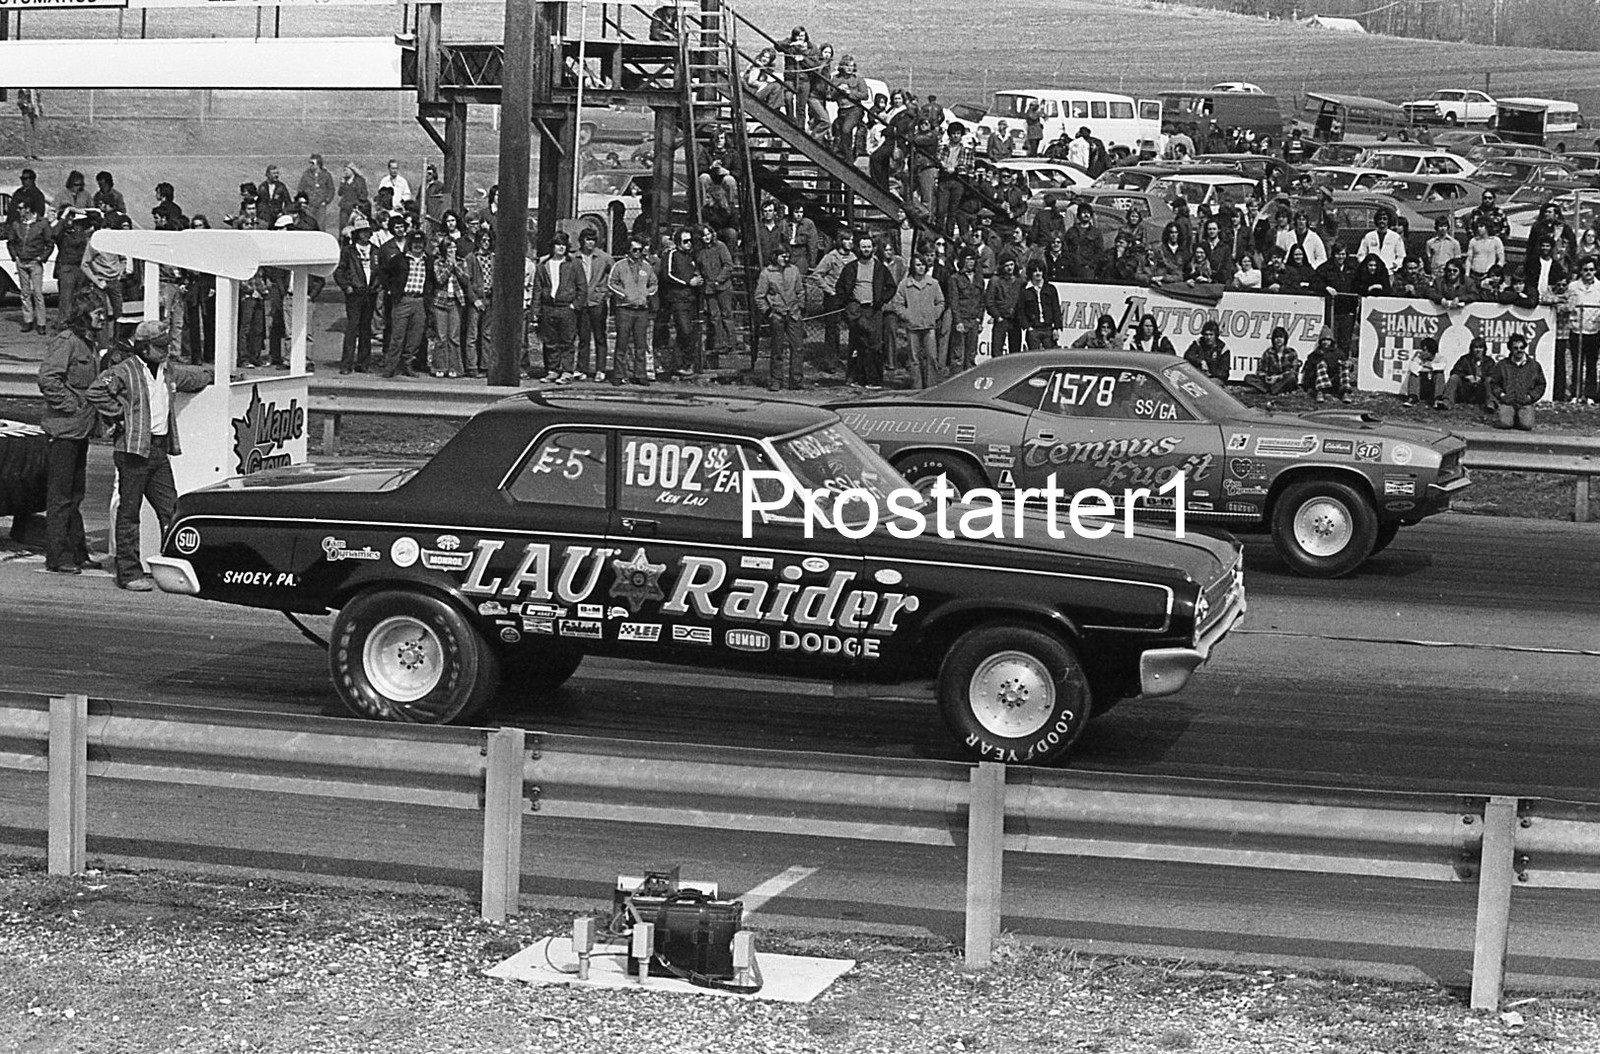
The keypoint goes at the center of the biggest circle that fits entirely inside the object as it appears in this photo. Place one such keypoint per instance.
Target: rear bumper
(1163, 671)
(174, 575)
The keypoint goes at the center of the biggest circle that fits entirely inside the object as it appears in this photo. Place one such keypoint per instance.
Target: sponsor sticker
(1399, 506)
(1007, 480)
(1000, 448)
(588, 629)
(435, 560)
(1244, 468)
(404, 552)
(531, 610)
(638, 580)
(887, 576)
(1239, 441)
(1342, 447)
(491, 607)
(510, 635)
(747, 640)
(1285, 446)
(336, 549)
(1234, 489)
(692, 634)
(447, 542)
(999, 460)
(966, 433)
(649, 632)
(1201, 506)
(756, 563)
(591, 611)
(1407, 487)
(815, 564)
(616, 612)
(543, 626)
(187, 540)
(1242, 506)
(1372, 452)
(1401, 454)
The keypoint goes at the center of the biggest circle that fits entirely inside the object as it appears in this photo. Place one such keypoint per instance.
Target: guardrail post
(502, 824)
(986, 827)
(1495, 874)
(69, 768)
(1580, 504)
(330, 434)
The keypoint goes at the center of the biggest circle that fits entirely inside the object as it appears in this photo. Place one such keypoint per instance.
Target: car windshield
(1403, 189)
(1014, 105)
(1499, 170)
(1211, 399)
(605, 183)
(1328, 180)
(1393, 162)
(832, 459)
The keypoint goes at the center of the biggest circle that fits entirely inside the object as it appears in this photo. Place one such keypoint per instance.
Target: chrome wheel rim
(1012, 694)
(924, 485)
(404, 658)
(1323, 527)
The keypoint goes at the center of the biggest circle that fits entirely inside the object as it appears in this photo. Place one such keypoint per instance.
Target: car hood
(1364, 423)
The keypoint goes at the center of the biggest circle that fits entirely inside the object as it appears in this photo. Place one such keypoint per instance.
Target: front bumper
(174, 575)
(1439, 494)
(1163, 671)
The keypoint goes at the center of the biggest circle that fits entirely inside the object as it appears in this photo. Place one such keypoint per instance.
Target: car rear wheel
(924, 470)
(400, 655)
(1323, 529)
(586, 133)
(1014, 693)
(1450, 119)
(1386, 534)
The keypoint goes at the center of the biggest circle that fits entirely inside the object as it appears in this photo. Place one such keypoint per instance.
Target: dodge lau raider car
(551, 528)
(1332, 487)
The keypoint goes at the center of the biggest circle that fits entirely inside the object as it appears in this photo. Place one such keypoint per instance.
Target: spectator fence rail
(985, 809)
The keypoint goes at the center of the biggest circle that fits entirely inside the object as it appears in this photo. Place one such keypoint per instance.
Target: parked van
(1535, 121)
(1203, 114)
(1122, 122)
(1329, 118)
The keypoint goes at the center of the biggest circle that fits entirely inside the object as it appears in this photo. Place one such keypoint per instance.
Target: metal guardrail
(510, 774)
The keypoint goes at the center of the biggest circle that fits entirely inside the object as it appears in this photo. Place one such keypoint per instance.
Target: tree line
(1569, 25)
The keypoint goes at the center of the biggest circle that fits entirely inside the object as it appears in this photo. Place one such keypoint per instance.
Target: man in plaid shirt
(1279, 370)
(957, 159)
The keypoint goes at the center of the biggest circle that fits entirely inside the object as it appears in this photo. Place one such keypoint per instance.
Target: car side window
(565, 468)
(1080, 108)
(679, 475)
(1097, 110)
(1107, 393)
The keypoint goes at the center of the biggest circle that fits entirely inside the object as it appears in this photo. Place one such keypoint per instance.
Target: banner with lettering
(1247, 319)
(1392, 327)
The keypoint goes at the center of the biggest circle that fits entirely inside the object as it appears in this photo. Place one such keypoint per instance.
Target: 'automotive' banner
(1247, 319)
(1392, 327)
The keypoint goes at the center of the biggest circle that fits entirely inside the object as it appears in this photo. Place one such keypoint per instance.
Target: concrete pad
(785, 978)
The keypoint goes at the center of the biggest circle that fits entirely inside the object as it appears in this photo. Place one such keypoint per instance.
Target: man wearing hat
(355, 277)
(407, 278)
(137, 398)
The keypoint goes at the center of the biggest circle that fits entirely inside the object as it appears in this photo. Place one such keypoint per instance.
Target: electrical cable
(305, 631)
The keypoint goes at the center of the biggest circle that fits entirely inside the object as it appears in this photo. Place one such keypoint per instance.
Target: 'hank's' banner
(1393, 327)
(1247, 319)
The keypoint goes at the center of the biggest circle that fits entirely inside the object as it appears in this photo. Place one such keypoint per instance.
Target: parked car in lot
(1504, 175)
(553, 527)
(1041, 174)
(1431, 196)
(1212, 190)
(1332, 488)
(1417, 161)
(1357, 211)
(1461, 140)
(1272, 173)
(1580, 207)
(1343, 177)
(1140, 176)
(1452, 106)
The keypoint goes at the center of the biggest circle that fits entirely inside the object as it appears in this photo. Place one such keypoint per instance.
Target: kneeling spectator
(1209, 354)
(1516, 384)
(1422, 373)
(1469, 378)
(1279, 371)
(1323, 375)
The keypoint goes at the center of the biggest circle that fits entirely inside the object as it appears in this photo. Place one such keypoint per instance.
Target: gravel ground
(115, 961)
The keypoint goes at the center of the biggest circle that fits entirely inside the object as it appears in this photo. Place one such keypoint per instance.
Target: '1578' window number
(672, 466)
(1080, 389)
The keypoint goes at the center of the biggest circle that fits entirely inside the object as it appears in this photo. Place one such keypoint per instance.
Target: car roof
(1427, 177)
(1407, 148)
(755, 418)
(1014, 367)
(1216, 179)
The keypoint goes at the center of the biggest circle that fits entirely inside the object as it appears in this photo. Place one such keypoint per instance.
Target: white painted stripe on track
(1468, 645)
(757, 897)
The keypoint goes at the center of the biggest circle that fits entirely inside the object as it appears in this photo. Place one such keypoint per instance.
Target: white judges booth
(246, 420)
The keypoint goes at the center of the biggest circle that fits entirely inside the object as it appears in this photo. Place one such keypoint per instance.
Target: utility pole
(511, 223)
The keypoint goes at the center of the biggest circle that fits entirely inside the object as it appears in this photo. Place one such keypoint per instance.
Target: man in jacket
(865, 288)
(853, 94)
(1000, 300)
(1038, 311)
(633, 284)
(1469, 378)
(826, 278)
(781, 296)
(478, 348)
(72, 241)
(559, 287)
(406, 276)
(107, 198)
(353, 195)
(28, 193)
(31, 241)
(964, 294)
(70, 365)
(680, 283)
(1085, 247)
(716, 267)
(357, 278)
(272, 197)
(316, 184)
(138, 396)
(596, 264)
(918, 303)
(1516, 384)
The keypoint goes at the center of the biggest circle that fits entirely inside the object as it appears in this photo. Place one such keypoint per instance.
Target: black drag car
(553, 527)
(1333, 487)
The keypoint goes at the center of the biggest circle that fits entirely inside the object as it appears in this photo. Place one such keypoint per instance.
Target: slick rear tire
(1014, 693)
(1386, 534)
(402, 655)
(1323, 529)
(921, 470)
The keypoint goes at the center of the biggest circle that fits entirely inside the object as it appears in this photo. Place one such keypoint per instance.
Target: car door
(700, 588)
(1116, 429)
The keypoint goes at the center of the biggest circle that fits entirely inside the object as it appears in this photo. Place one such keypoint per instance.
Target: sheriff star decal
(638, 580)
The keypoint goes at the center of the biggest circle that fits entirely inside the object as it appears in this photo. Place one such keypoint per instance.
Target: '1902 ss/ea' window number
(672, 466)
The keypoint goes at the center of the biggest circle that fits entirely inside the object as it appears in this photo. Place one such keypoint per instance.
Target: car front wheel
(1014, 693)
(399, 655)
(1323, 529)
(923, 471)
